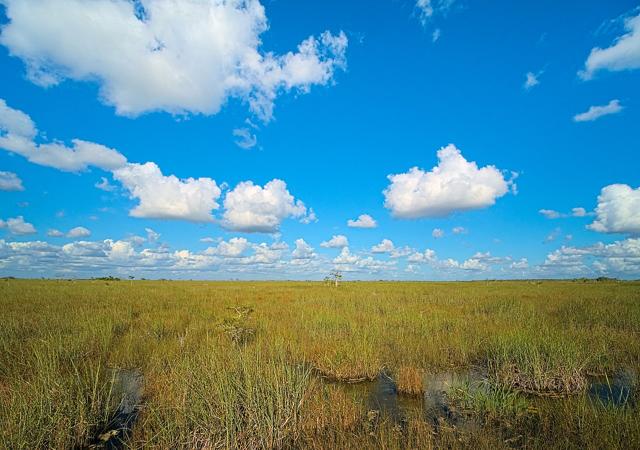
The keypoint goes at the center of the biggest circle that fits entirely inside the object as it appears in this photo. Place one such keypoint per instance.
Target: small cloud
(310, 217)
(437, 233)
(436, 35)
(363, 221)
(337, 241)
(550, 213)
(104, 185)
(54, 233)
(9, 181)
(595, 112)
(581, 212)
(152, 236)
(78, 232)
(208, 239)
(245, 138)
(18, 226)
(552, 236)
(575, 212)
(459, 230)
(386, 246)
(531, 80)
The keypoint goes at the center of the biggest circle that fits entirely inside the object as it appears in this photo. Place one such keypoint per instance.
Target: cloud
(9, 181)
(521, 264)
(234, 248)
(54, 233)
(167, 197)
(386, 246)
(252, 208)
(437, 233)
(459, 230)
(310, 217)
(246, 139)
(455, 184)
(363, 221)
(620, 258)
(152, 236)
(531, 80)
(595, 112)
(550, 213)
(78, 232)
(348, 262)
(579, 212)
(623, 54)
(302, 251)
(18, 226)
(427, 9)
(179, 57)
(618, 210)
(427, 256)
(575, 212)
(104, 185)
(15, 122)
(18, 133)
(337, 241)
(552, 236)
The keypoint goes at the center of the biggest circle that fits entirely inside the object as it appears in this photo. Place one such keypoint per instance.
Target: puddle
(382, 399)
(615, 391)
(129, 387)
(437, 408)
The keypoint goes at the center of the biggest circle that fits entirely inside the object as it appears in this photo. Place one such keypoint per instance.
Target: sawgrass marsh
(487, 364)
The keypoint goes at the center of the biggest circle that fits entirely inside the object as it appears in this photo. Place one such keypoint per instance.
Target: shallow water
(128, 386)
(382, 396)
(615, 391)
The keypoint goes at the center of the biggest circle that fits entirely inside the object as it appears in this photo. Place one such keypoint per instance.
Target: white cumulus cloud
(623, 54)
(336, 241)
(168, 197)
(17, 226)
(9, 181)
(618, 210)
(253, 208)
(18, 133)
(303, 251)
(169, 55)
(455, 184)
(234, 248)
(78, 232)
(385, 246)
(363, 221)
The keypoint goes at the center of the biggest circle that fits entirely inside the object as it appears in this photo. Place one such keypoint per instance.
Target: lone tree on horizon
(334, 277)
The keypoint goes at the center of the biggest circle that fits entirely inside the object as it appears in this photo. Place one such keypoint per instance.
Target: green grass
(236, 365)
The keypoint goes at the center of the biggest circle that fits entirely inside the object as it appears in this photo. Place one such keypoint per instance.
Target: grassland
(261, 365)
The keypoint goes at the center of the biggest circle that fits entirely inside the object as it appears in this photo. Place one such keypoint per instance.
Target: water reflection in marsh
(438, 406)
(128, 387)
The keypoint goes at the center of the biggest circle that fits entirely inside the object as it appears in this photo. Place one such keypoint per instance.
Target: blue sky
(236, 138)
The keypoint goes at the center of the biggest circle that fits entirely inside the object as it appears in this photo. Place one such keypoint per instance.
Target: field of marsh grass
(551, 364)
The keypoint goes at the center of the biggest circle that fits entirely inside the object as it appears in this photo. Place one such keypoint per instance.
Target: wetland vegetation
(168, 364)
